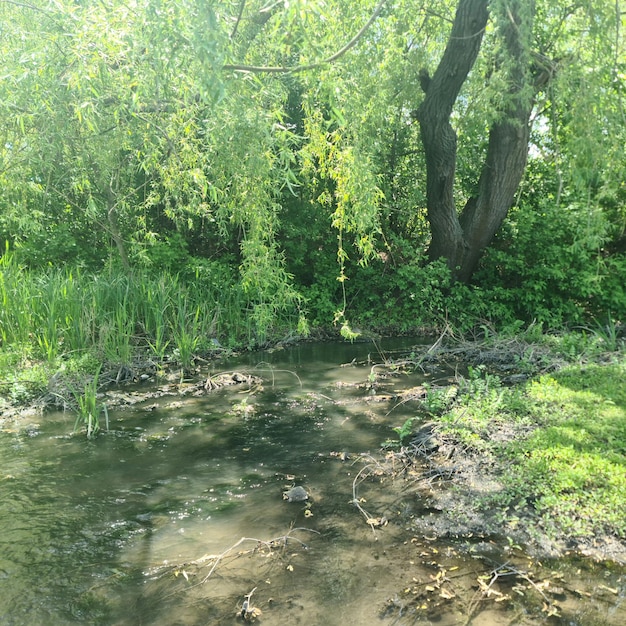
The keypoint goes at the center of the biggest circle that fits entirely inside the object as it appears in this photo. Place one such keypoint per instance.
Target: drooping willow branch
(302, 68)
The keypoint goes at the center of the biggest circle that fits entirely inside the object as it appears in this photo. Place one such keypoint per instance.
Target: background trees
(272, 138)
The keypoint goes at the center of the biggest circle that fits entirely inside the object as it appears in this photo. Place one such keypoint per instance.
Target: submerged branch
(374, 522)
(215, 560)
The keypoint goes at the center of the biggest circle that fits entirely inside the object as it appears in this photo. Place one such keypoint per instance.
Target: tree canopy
(272, 134)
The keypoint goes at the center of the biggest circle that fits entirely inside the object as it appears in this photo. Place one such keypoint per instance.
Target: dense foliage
(270, 154)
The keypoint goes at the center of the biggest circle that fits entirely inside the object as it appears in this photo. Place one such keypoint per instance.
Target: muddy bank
(449, 487)
(456, 472)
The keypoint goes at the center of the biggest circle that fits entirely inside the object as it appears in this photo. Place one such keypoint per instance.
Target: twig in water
(374, 522)
(273, 371)
(216, 559)
(486, 590)
(248, 612)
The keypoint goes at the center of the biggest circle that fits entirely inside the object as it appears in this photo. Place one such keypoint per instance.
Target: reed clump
(52, 319)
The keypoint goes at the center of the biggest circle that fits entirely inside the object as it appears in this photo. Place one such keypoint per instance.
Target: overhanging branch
(302, 68)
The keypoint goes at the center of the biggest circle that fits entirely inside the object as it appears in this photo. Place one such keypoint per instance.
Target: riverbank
(526, 441)
(540, 463)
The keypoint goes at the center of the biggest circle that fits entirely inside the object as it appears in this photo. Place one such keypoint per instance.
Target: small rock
(296, 494)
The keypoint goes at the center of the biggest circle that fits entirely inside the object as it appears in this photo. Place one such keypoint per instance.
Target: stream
(176, 514)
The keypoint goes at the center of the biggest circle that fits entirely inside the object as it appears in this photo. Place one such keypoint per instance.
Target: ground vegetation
(526, 444)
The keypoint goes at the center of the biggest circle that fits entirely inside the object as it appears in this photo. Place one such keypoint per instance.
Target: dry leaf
(550, 610)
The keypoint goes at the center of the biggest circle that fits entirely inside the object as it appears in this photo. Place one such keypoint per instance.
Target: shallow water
(113, 531)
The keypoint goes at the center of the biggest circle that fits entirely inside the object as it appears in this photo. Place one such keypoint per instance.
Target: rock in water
(296, 494)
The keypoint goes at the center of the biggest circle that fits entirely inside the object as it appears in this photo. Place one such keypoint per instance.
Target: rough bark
(461, 239)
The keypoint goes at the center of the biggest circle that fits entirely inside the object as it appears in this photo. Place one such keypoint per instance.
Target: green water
(110, 531)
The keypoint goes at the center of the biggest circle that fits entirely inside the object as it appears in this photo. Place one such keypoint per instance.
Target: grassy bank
(542, 461)
(70, 322)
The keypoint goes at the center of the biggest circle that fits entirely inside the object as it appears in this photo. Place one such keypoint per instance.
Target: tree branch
(262, 69)
(236, 26)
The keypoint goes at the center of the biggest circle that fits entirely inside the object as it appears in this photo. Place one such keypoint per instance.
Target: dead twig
(215, 560)
(487, 590)
(374, 522)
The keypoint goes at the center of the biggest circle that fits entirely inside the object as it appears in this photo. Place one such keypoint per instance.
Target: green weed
(557, 447)
(605, 336)
(405, 430)
(88, 412)
(185, 331)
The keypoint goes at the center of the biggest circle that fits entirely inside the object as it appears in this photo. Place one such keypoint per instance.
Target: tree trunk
(462, 239)
(114, 227)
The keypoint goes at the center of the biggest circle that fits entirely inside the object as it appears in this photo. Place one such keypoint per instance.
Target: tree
(389, 121)
(508, 66)
(461, 238)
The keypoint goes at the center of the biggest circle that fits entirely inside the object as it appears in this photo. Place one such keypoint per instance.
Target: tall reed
(15, 296)
(156, 302)
(59, 314)
(88, 408)
(184, 329)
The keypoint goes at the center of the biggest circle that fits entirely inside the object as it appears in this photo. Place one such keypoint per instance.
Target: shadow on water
(114, 531)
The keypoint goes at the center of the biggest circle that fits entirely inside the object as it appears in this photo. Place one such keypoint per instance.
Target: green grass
(557, 447)
(55, 320)
(21, 377)
(578, 458)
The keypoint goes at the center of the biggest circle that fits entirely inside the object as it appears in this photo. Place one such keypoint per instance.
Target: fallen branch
(214, 560)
